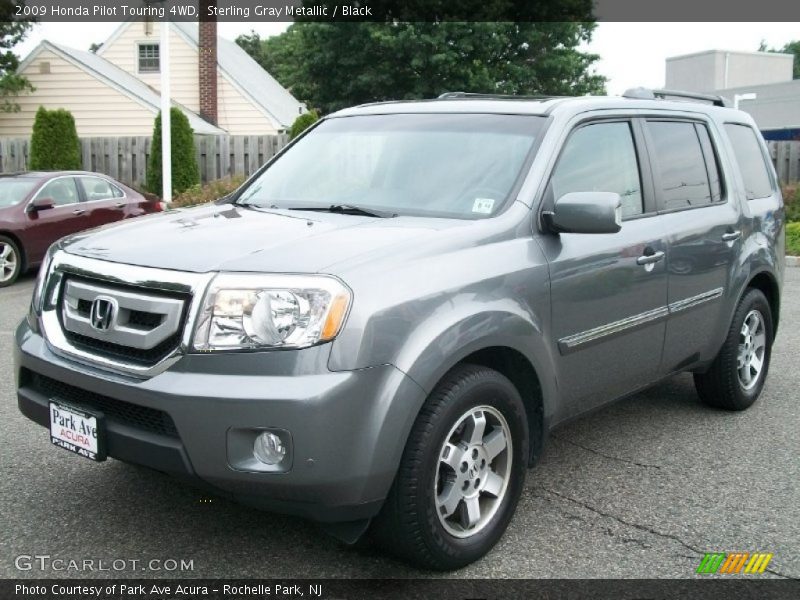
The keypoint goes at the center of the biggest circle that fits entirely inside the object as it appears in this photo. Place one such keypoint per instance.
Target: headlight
(270, 311)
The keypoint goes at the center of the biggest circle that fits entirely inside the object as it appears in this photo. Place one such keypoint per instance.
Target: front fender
(458, 326)
(435, 347)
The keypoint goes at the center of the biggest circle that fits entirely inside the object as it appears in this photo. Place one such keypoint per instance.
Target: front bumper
(348, 428)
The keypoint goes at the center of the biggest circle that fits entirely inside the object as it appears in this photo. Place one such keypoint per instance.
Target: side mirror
(586, 212)
(41, 204)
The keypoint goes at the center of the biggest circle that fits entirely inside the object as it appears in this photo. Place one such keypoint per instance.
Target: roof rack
(476, 95)
(648, 94)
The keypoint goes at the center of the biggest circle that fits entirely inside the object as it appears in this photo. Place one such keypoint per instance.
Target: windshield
(451, 165)
(14, 190)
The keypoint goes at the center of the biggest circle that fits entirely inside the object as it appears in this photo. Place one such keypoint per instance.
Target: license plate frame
(77, 430)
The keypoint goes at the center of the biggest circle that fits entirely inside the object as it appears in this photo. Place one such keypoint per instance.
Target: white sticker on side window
(483, 206)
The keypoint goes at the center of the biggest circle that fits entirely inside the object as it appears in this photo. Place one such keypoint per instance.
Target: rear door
(67, 215)
(104, 202)
(763, 217)
(609, 291)
(702, 221)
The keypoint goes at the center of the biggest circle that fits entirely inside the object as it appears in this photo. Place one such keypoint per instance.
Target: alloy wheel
(473, 471)
(752, 348)
(8, 262)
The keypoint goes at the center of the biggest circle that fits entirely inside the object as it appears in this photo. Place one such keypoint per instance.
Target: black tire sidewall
(18, 251)
(489, 389)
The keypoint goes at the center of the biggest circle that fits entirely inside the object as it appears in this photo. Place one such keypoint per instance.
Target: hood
(230, 238)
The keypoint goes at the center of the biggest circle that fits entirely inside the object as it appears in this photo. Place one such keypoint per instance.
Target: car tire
(738, 373)
(10, 261)
(444, 460)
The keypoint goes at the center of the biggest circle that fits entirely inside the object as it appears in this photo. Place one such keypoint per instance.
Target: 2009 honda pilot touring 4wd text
(379, 329)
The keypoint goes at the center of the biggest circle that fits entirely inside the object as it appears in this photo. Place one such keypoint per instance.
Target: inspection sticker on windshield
(78, 431)
(483, 206)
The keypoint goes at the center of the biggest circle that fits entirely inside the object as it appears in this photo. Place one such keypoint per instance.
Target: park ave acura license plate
(77, 430)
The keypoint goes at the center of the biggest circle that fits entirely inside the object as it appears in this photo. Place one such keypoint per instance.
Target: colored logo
(734, 562)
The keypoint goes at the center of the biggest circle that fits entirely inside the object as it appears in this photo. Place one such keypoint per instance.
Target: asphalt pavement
(640, 489)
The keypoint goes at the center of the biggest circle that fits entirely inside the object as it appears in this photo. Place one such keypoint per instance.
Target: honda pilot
(379, 329)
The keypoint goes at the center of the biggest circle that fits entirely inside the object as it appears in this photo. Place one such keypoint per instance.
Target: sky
(632, 54)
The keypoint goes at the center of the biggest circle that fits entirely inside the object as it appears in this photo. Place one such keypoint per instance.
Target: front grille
(144, 320)
(124, 353)
(84, 307)
(147, 313)
(136, 318)
(124, 413)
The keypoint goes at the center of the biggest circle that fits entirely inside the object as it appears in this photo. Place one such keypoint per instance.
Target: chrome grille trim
(120, 331)
(64, 265)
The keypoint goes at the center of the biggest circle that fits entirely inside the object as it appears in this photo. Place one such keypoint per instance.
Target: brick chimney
(207, 65)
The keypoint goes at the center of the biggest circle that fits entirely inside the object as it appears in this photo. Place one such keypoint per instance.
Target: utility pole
(740, 97)
(166, 124)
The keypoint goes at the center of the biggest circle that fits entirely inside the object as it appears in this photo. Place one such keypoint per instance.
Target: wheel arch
(507, 339)
(767, 283)
(520, 371)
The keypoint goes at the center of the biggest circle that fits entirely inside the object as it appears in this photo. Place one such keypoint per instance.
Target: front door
(608, 291)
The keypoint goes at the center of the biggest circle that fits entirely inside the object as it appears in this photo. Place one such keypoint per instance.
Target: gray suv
(378, 330)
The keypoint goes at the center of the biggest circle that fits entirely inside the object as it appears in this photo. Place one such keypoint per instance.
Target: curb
(793, 261)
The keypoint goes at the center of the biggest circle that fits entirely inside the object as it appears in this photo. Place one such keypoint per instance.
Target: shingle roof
(125, 82)
(246, 73)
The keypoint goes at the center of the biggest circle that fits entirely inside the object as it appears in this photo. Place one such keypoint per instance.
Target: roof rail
(648, 94)
(476, 95)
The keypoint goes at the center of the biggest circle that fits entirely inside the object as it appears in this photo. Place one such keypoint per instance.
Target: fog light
(269, 448)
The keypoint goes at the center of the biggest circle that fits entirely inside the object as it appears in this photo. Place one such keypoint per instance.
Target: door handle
(650, 259)
(120, 205)
(731, 236)
(78, 211)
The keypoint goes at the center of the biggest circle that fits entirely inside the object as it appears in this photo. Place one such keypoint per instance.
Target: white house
(115, 91)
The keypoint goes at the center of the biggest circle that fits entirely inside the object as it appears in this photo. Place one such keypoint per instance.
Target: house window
(149, 58)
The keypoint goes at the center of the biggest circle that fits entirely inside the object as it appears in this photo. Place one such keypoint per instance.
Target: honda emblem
(104, 310)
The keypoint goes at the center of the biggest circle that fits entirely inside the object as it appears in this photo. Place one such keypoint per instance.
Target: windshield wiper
(348, 209)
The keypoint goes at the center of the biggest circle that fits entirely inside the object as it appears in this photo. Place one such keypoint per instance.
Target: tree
(333, 65)
(184, 165)
(793, 48)
(12, 32)
(54, 142)
(275, 54)
(788, 48)
(302, 123)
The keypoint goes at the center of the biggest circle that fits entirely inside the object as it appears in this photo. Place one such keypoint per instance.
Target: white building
(114, 92)
(768, 75)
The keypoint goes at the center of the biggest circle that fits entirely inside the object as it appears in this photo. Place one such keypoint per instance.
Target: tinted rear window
(684, 179)
(750, 159)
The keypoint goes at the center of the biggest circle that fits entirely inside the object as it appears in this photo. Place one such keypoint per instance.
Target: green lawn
(793, 238)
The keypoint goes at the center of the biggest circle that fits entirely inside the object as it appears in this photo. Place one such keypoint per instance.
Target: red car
(37, 208)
